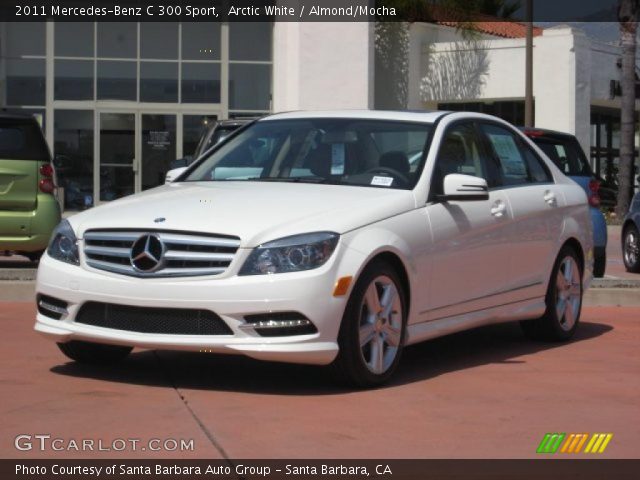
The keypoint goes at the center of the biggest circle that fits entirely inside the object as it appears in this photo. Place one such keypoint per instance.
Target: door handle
(134, 165)
(498, 209)
(550, 198)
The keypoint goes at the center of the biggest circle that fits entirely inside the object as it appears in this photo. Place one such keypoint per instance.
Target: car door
(468, 249)
(536, 204)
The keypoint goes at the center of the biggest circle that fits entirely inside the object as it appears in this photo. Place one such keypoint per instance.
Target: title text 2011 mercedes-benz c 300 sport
(327, 238)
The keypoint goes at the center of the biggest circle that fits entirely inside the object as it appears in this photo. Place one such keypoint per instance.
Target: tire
(631, 249)
(33, 256)
(379, 288)
(94, 353)
(600, 264)
(563, 301)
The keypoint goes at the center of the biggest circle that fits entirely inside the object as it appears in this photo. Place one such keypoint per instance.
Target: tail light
(594, 195)
(46, 183)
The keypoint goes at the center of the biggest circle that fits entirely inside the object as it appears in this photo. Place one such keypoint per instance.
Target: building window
(117, 39)
(200, 41)
(250, 41)
(200, 83)
(159, 40)
(159, 82)
(25, 81)
(74, 39)
(510, 111)
(73, 80)
(249, 86)
(25, 38)
(116, 80)
(73, 157)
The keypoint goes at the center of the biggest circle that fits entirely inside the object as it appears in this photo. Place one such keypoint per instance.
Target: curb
(19, 274)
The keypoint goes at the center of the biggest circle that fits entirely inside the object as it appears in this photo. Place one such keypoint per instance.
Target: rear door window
(518, 163)
(22, 141)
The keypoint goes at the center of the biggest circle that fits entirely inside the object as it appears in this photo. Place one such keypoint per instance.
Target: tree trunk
(627, 15)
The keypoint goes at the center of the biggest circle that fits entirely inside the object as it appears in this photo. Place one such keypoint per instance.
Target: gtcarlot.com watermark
(44, 442)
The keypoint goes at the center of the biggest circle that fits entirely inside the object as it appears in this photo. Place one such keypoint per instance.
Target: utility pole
(528, 86)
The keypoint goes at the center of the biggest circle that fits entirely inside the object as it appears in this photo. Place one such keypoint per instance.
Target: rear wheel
(631, 249)
(563, 301)
(373, 328)
(600, 264)
(94, 353)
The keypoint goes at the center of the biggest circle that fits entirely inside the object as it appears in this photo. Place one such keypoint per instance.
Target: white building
(119, 101)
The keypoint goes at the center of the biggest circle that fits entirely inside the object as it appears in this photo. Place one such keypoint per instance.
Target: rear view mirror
(459, 187)
(173, 174)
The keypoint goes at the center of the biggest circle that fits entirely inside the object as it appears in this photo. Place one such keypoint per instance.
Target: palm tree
(628, 18)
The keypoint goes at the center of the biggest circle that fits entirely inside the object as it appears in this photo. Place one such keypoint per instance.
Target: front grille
(173, 321)
(183, 255)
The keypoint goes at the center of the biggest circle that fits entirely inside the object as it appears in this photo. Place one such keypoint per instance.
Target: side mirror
(173, 174)
(459, 187)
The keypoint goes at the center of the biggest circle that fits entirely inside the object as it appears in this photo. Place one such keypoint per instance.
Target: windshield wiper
(292, 179)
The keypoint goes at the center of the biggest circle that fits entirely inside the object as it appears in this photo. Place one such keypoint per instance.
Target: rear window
(22, 141)
(566, 154)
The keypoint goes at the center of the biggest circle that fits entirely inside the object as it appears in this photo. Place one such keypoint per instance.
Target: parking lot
(487, 393)
(484, 393)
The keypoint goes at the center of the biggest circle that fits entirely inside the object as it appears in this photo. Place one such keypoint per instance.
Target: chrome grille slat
(108, 251)
(199, 256)
(184, 254)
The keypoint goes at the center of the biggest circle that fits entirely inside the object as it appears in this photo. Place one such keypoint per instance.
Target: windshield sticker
(382, 181)
(337, 159)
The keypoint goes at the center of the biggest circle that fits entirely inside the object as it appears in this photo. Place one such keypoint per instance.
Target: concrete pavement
(484, 393)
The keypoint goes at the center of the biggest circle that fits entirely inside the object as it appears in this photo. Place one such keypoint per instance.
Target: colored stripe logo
(574, 443)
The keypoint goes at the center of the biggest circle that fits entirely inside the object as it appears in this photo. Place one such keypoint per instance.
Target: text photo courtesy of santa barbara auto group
(319, 239)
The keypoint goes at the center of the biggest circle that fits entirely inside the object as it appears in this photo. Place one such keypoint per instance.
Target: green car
(29, 211)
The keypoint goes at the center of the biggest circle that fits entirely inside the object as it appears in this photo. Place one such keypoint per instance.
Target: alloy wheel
(568, 293)
(631, 248)
(380, 326)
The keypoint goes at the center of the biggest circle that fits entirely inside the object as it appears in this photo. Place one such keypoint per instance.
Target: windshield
(375, 153)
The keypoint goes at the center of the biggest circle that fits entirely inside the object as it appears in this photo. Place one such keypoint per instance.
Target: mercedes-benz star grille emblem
(147, 253)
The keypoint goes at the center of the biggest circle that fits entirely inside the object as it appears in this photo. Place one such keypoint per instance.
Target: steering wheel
(394, 173)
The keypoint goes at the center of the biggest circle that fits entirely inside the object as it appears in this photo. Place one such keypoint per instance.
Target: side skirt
(520, 310)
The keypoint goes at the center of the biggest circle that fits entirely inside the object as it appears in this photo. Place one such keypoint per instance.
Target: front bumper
(229, 296)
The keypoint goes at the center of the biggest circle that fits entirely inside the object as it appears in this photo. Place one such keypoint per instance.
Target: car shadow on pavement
(503, 344)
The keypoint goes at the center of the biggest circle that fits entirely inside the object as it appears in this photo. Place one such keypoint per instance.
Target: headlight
(64, 244)
(291, 254)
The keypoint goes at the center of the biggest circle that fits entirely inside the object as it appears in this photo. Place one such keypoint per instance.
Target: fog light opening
(279, 324)
(52, 307)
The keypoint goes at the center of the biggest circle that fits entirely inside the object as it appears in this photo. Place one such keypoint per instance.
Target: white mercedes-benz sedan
(311, 237)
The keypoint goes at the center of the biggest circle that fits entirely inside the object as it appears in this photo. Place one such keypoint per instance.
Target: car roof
(407, 116)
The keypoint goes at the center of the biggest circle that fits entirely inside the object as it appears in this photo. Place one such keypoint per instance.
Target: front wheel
(373, 328)
(631, 249)
(563, 301)
(93, 353)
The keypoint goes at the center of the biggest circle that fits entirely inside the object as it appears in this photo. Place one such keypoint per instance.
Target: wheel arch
(577, 246)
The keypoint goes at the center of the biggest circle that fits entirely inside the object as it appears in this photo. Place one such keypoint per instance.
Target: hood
(254, 211)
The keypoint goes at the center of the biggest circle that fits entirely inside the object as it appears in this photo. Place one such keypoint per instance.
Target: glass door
(117, 156)
(158, 148)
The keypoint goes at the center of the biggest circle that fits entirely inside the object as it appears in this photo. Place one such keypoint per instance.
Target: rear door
(22, 151)
(536, 204)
